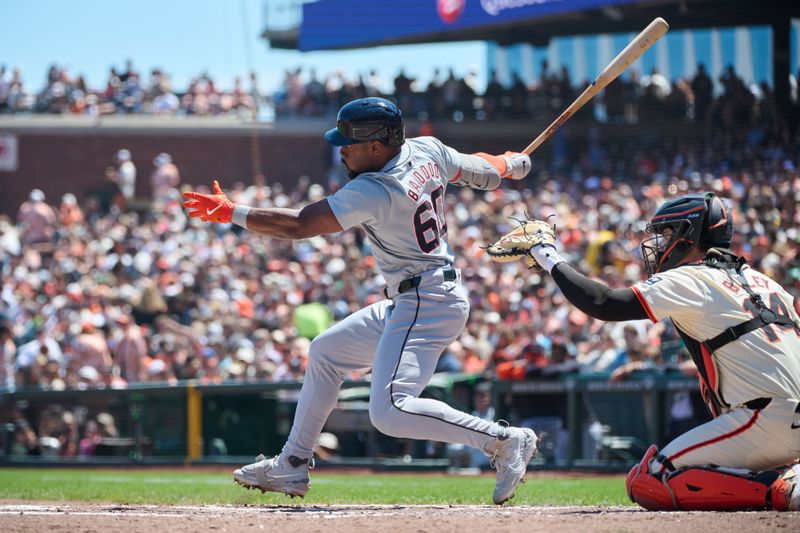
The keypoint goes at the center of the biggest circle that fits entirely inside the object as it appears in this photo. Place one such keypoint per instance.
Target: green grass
(190, 487)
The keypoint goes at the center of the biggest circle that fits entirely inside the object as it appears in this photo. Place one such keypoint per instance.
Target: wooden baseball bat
(631, 53)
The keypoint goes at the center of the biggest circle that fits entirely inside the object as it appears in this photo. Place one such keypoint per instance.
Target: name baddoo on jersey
(417, 178)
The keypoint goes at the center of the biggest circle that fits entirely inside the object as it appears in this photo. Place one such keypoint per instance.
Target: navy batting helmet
(692, 221)
(368, 119)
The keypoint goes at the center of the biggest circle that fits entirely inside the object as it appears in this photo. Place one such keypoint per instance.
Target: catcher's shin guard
(696, 488)
(648, 490)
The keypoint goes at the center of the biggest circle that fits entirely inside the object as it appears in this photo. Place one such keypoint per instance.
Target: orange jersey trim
(643, 301)
(708, 362)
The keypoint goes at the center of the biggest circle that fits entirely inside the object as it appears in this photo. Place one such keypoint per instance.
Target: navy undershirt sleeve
(597, 299)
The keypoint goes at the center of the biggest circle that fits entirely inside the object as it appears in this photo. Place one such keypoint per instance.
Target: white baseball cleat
(510, 454)
(285, 475)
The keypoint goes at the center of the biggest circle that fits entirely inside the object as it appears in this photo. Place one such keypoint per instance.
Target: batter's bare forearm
(275, 222)
(281, 223)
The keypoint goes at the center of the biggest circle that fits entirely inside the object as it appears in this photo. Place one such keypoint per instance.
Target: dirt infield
(34, 516)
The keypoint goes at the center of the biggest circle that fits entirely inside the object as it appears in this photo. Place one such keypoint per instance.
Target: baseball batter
(396, 194)
(743, 333)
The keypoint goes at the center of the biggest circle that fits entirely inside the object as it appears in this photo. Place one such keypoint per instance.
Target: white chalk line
(329, 512)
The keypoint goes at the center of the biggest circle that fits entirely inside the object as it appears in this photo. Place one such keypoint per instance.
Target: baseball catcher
(743, 333)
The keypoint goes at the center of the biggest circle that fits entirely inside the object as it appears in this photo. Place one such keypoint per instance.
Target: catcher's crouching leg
(699, 488)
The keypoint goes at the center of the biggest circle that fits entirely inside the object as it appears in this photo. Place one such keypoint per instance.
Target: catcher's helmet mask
(368, 119)
(680, 225)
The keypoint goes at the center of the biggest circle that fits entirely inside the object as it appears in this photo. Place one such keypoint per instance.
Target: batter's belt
(448, 274)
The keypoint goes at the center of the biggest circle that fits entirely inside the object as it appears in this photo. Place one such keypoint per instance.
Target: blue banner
(676, 56)
(332, 24)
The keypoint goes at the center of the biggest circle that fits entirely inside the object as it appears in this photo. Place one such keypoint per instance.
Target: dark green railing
(583, 421)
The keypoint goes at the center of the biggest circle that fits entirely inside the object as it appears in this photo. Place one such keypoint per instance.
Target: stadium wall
(584, 421)
(60, 156)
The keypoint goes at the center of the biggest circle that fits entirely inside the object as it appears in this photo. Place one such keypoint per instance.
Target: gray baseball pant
(402, 340)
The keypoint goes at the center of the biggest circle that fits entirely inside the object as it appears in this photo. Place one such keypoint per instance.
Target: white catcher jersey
(401, 208)
(703, 302)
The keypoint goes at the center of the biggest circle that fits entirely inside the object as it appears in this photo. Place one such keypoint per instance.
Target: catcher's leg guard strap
(696, 488)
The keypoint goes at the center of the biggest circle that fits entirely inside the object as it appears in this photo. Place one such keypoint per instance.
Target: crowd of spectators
(61, 432)
(448, 96)
(127, 92)
(94, 298)
(445, 96)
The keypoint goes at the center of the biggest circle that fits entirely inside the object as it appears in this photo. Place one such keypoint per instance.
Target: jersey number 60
(429, 223)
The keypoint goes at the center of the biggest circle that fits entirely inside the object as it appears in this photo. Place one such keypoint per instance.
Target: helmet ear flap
(707, 218)
(717, 227)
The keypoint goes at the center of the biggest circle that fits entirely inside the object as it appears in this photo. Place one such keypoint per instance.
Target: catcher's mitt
(517, 244)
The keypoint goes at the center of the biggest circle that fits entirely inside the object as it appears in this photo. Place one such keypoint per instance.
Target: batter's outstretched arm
(597, 299)
(310, 221)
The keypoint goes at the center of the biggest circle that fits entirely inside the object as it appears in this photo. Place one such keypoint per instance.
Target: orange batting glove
(209, 207)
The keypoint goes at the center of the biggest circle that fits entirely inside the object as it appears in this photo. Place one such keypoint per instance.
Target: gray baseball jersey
(401, 208)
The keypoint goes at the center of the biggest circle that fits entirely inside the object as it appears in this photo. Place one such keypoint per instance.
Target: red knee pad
(694, 488)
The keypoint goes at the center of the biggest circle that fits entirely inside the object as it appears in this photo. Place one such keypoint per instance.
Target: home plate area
(30, 516)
